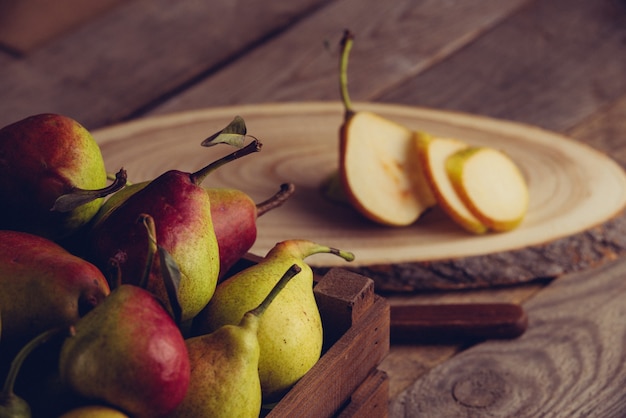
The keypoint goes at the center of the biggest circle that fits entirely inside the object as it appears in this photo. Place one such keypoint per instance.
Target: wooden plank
(605, 130)
(343, 298)
(137, 53)
(370, 399)
(326, 387)
(25, 25)
(570, 362)
(393, 41)
(553, 64)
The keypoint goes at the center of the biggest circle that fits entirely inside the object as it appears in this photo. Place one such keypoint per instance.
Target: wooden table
(555, 64)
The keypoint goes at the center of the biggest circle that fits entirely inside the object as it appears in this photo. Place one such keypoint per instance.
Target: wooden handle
(457, 322)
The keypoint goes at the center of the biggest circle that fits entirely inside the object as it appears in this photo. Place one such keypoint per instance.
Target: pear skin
(235, 217)
(182, 213)
(43, 157)
(43, 286)
(225, 366)
(94, 411)
(128, 352)
(290, 331)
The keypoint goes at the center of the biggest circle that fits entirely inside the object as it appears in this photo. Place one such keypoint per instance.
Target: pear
(181, 210)
(225, 366)
(235, 217)
(94, 411)
(42, 158)
(379, 174)
(43, 286)
(12, 405)
(290, 331)
(491, 185)
(433, 153)
(128, 352)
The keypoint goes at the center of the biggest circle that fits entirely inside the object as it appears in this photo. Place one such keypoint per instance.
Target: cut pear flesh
(491, 185)
(380, 174)
(434, 153)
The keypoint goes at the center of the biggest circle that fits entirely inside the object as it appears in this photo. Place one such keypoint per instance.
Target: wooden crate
(345, 382)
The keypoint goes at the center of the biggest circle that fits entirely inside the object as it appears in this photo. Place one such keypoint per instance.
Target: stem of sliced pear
(289, 274)
(78, 197)
(286, 190)
(346, 46)
(199, 176)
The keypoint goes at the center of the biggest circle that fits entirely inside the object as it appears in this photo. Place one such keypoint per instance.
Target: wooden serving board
(577, 194)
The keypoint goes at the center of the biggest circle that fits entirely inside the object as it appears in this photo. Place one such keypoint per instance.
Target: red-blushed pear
(433, 153)
(129, 351)
(43, 286)
(224, 379)
(290, 331)
(235, 217)
(42, 158)
(491, 185)
(378, 171)
(181, 210)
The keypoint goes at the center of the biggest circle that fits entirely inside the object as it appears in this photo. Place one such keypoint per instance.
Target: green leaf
(234, 134)
(171, 278)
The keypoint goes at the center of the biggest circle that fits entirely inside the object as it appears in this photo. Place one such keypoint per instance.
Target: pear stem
(148, 222)
(199, 176)
(24, 352)
(307, 248)
(78, 197)
(346, 45)
(278, 287)
(286, 190)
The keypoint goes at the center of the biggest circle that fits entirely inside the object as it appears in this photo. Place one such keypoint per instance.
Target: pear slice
(381, 177)
(433, 153)
(491, 186)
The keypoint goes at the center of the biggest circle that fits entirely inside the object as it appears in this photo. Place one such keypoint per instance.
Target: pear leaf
(171, 278)
(234, 134)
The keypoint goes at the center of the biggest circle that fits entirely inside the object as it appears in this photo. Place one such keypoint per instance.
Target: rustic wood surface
(555, 64)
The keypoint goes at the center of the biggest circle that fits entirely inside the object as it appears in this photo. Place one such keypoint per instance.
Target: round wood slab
(577, 194)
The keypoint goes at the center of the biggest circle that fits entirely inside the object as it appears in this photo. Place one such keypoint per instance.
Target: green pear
(43, 286)
(290, 331)
(43, 158)
(225, 366)
(94, 411)
(181, 209)
(129, 353)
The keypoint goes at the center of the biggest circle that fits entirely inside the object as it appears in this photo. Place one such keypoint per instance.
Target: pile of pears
(393, 175)
(124, 299)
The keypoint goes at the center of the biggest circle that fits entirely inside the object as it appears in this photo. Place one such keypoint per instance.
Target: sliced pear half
(433, 153)
(491, 185)
(381, 177)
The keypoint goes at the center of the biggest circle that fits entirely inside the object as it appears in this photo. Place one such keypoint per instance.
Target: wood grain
(573, 189)
(138, 53)
(394, 40)
(570, 362)
(552, 64)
